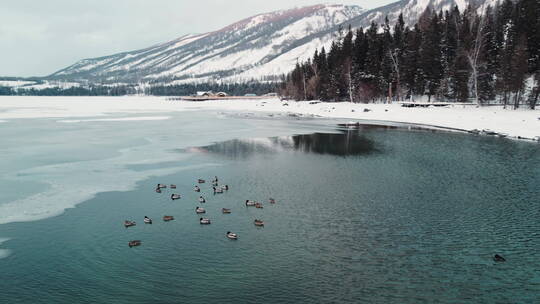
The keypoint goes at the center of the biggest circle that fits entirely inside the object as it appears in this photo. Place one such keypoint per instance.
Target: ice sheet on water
(4, 253)
(73, 161)
(76, 182)
(119, 119)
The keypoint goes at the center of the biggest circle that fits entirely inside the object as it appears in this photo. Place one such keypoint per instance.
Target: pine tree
(412, 76)
(373, 54)
(528, 23)
(324, 73)
(488, 58)
(450, 42)
(430, 50)
(518, 69)
(334, 67)
(447, 54)
(461, 76)
(360, 49)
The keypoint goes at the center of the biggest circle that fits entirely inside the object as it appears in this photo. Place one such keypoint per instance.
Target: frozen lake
(371, 214)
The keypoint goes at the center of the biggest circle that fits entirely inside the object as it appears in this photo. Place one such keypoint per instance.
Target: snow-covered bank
(522, 123)
(516, 123)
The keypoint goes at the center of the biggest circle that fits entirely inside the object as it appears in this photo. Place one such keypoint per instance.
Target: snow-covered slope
(273, 41)
(262, 47)
(413, 9)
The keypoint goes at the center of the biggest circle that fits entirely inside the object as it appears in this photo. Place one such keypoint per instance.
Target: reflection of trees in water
(239, 148)
(350, 142)
(344, 144)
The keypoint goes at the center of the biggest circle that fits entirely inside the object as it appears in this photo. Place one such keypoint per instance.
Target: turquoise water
(374, 215)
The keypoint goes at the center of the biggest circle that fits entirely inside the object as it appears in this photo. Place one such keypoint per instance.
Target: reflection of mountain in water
(348, 143)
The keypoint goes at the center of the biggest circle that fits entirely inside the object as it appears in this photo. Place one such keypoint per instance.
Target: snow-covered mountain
(262, 47)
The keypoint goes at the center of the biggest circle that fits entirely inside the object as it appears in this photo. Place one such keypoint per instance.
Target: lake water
(367, 215)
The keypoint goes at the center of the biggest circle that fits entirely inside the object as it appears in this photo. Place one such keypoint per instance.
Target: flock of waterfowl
(206, 221)
(217, 189)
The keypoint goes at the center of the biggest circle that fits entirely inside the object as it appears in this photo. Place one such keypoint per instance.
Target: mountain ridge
(262, 47)
(182, 56)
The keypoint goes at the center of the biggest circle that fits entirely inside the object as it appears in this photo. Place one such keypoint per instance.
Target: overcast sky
(38, 38)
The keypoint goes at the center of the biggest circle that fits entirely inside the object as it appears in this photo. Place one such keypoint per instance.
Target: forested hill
(460, 56)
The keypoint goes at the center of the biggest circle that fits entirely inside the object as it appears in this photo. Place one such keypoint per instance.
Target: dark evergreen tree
(412, 73)
(449, 46)
(431, 58)
(447, 55)
(396, 54)
(324, 73)
(518, 70)
(488, 58)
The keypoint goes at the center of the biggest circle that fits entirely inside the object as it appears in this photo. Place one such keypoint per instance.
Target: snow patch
(15, 83)
(51, 84)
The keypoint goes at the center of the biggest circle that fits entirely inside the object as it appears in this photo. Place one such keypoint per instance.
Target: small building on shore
(211, 94)
(204, 93)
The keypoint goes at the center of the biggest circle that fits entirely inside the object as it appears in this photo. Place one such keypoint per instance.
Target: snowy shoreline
(519, 124)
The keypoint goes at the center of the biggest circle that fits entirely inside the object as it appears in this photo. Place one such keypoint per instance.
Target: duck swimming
(168, 218)
(200, 210)
(201, 181)
(129, 224)
(226, 211)
(272, 201)
(159, 186)
(172, 186)
(258, 205)
(250, 203)
(258, 223)
(498, 258)
(175, 196)
(197, 189)
(202, 200)
(147, 220)
(232, 236)
(217, 190)
(134, 243)
(204, 221)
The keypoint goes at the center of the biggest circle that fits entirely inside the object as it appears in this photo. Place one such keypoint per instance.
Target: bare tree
(348, 75)
(304, 81)
(395, 66)
(473, 54)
